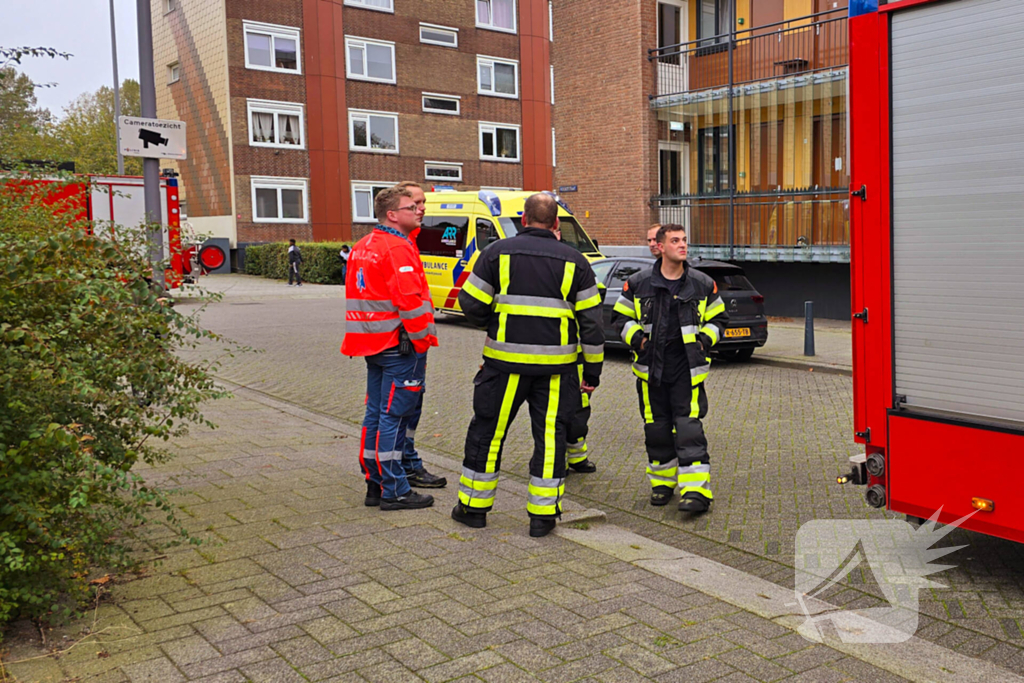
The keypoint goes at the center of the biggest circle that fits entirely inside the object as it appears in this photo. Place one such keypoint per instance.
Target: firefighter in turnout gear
(671, 315)
(539, 302)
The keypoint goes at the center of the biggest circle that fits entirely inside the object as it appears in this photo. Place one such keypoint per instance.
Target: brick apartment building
(298, 111)
(728, 116)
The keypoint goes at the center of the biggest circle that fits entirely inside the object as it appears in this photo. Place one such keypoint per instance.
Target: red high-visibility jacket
(386, 289)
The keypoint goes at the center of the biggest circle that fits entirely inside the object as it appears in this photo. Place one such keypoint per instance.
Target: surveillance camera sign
(153, 138)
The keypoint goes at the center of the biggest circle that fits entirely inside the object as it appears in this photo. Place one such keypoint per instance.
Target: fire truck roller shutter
(958, 207)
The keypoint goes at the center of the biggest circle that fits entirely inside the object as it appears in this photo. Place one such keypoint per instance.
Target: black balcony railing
(811, 43)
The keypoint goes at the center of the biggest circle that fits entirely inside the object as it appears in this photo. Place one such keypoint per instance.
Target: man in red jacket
(389, 320)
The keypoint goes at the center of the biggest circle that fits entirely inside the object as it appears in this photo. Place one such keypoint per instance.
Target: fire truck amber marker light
(983, 504)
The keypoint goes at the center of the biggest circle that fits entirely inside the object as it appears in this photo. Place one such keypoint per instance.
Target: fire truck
(937, 266)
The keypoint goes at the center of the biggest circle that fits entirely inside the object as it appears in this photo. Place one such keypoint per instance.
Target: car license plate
(737, 332)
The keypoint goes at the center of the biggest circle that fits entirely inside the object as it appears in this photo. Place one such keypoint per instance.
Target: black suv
(748, 327)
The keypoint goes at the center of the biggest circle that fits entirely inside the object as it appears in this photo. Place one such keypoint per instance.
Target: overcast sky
(81, 27)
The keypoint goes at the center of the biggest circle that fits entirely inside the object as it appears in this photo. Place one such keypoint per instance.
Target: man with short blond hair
(652, 240)
(389, 320)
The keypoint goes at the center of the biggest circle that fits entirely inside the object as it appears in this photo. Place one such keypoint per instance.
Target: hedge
(320, 261)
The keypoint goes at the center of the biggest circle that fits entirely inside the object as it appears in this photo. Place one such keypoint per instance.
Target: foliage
(90, 383)
(87, 133)
(320, 261)
(24, 128)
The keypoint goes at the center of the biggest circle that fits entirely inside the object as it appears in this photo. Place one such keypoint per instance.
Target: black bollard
(808, 328)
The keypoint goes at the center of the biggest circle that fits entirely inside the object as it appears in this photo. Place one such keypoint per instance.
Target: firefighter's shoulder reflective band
(477, 288)
(532, 354)
(588, 298)
(715, 307)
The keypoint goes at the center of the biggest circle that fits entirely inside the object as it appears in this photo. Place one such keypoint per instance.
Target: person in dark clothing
(294, 260)
(671, 315)
(538, 300)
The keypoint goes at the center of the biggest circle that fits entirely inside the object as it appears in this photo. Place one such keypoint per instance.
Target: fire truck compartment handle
(862, 193)
(863, 315)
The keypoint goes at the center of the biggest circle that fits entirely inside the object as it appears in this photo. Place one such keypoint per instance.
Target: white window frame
(173, 72)
(482, 60)
(170, 6)
(276, 183)
(356, 41)
(441, 29)
(363, 5)
(274, 31)
(354, 114)
(365, 186)
(551, 21)
(438, 96)
(276, 108)
(492, 27)
(552, 84)
(486, 126)
(554, 157)
(502, 189)
(452, 165)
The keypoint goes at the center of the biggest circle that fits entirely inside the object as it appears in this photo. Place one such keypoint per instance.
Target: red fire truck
(937, 214)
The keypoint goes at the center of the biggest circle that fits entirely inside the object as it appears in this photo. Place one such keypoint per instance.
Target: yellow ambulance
(458, 225)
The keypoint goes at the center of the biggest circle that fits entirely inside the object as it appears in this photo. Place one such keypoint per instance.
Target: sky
(81, 27)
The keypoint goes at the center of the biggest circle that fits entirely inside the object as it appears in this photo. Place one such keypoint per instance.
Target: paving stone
(461, 666)
(160, 670)
(752, 665)
(641, 661)
(272, 671)
(415, 654)
(704, 670)
(526, 655)
(189, 650)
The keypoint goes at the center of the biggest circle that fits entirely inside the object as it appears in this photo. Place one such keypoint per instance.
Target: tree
(24, 128)
(88, 133)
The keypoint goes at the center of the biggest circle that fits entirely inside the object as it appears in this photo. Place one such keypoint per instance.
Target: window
(441, 170)
(363, 195)
(275, 124)
(497, 15)
(602, 269)
(499, 142)
(552, 84)
(173, 73)
(439, 35)
(279, 200)
(443, 236)
(713, 160)
(624, 272)
(441, 104)
(378, 5)
(370, 60)
(554, 156)
(715, 19)
(551, 21)
(373, 131)
(571, 231)
(485, 232)
(498, 77)
(170, 5)
(271, 48)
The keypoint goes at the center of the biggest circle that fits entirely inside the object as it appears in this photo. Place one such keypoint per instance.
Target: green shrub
(90, 383)
(320, 261)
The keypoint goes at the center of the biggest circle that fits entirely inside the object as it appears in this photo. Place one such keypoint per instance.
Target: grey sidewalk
(297, 581)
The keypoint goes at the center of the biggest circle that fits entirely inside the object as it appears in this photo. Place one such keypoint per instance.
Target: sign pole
(150, 167)
(117, 91)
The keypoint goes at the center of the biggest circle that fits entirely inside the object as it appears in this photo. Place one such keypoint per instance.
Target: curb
(801, 365)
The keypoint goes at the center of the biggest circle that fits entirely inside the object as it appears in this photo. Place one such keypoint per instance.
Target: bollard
(808, 328)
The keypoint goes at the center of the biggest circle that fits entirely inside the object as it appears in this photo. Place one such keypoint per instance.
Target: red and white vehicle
(937, 212)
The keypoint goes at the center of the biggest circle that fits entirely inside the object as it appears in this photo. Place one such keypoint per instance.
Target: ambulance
(458, 225)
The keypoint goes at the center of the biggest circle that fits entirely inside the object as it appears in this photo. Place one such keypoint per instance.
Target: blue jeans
(394, 402)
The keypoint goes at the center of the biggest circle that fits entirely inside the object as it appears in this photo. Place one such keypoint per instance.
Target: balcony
(807, 44)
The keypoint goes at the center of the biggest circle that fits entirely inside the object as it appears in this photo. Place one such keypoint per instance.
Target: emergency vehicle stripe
(593, 353)
(371, 326)
(371, 305)
(530, 353)
(648, 411)
(425, 307)
(554, 388)
(588, 298)
(505, 276)
(499, 433)
(625, 307)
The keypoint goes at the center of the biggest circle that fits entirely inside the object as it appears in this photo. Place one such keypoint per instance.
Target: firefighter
(389, 320)
(671, 315)
(538, 300)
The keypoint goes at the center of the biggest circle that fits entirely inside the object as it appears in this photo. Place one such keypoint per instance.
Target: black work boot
(661, 495)
(694, 503)
(410, 501)
(372, 499)
(541, 526)
(465, 515)
(425, 480)
(584, 466)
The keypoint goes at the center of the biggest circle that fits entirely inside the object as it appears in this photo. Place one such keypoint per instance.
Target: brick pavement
(778, 437)
(297, 581)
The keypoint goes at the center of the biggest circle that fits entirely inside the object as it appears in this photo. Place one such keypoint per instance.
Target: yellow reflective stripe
(546, 491)
(702, 306)
(718, 309)
(529, 359)
(689, 339)
(475, 502)
(549, 428)
(632, 329)
(504, 277)
(594, 357)
(695, 477)
(712, 332)
(477, 293)
(567, 277)
(588, 303)
(697, 489)
(546, 510)
(499, 432)
(648, 412)
(535, 311)
(477, 485)
(624, 310)
(695, 403)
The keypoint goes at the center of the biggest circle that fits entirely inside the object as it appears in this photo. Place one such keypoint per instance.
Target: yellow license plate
(737, 332)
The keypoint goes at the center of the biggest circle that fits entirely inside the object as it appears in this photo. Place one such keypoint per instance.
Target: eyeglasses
(411, 207)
